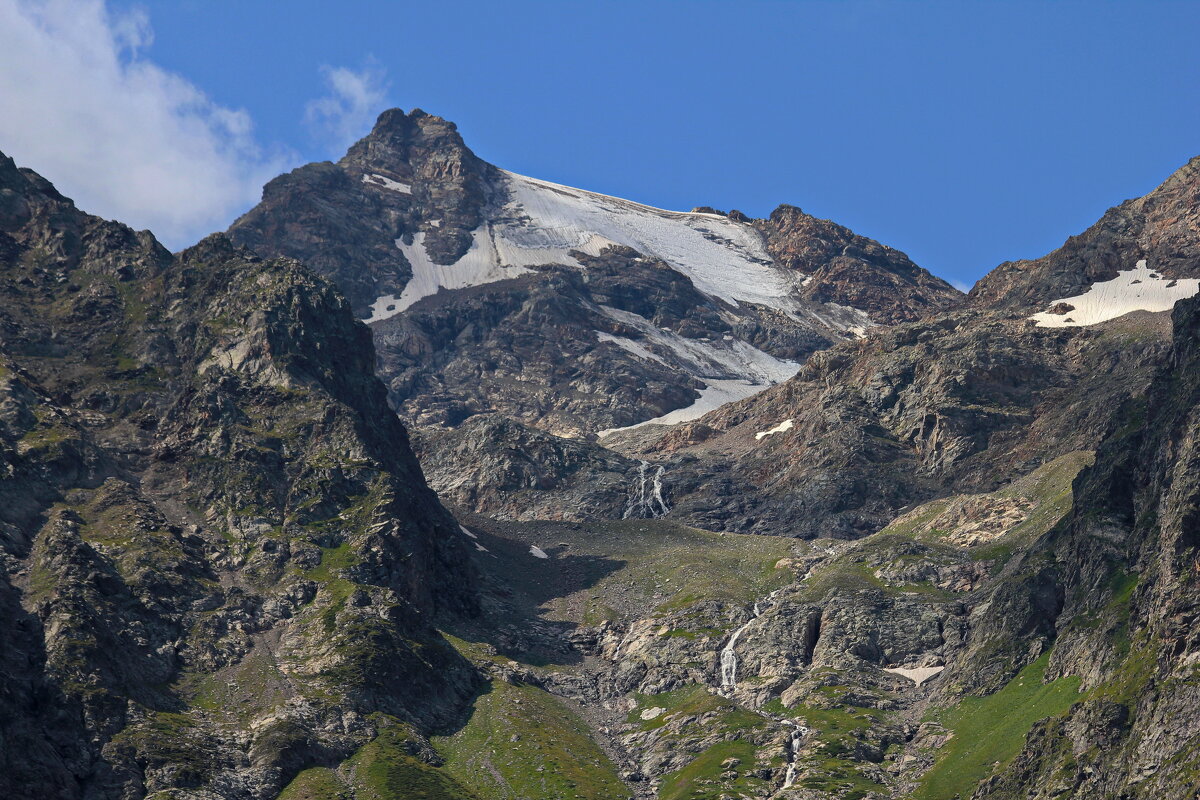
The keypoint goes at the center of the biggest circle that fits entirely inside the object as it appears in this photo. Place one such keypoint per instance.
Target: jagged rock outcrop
(1128, 566)
(222, 563)
(853, 270)
(413, 175)
(492, 464)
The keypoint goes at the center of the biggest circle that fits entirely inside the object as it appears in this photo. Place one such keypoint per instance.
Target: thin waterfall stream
(729, 659)
(793, 748)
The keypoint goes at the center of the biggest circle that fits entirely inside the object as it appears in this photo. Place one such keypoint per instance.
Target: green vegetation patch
(693, 701)
(247, 689)
(382, 769)
(625, 568)
(318, 783)
(520, 742)
(706, 778)
(990, 730)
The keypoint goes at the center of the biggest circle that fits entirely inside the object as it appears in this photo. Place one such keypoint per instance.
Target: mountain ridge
(464, 228)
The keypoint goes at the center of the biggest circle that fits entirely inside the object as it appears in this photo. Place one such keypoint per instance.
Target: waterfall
(793, 748)
(729, 659)
(646, 500)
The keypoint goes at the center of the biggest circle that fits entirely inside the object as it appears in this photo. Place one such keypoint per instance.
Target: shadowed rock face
(1130, 566)
(216, 538)
(343, 219)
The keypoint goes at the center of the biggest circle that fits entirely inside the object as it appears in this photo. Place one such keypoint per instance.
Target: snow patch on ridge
(537, 552)
(1137, 289)
(543, 222)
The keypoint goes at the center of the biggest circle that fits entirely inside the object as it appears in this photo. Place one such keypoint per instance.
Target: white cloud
(962, 286)
(346, 112)
(122, 136)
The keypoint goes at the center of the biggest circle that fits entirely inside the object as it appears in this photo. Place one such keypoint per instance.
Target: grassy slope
(619, 569)
(382, 769)
(521, 742)
(990, 730)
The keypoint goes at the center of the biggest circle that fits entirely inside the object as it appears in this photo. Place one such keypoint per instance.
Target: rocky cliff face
(1023, 628)
(1128, 563)
(222, 564)
(966, 400)
(852, 270)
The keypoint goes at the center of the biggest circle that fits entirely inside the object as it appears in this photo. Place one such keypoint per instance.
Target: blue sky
(964, 133)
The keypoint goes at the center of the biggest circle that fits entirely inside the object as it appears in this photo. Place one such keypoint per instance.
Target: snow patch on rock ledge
(387, 183)
(537, 552)
(730, 368)
(1137, 289)
(782, 427)
(724, 358)
(479, 265)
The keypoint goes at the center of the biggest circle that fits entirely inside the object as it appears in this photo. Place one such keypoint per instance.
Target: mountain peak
(391, 142)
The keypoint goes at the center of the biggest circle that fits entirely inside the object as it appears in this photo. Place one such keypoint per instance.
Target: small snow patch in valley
(387, 183)
(917, 675)
(467, 532)
(1137, 289)
(537, 552)
(786, 425)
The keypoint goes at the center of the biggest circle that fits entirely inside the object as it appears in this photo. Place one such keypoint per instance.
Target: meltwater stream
(646, 499)
(798, 733)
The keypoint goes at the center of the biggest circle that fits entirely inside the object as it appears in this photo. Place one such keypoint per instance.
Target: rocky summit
(432, 481)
